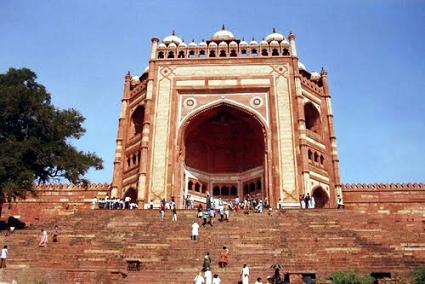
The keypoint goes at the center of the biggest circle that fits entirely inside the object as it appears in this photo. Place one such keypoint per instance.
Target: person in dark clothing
(307, 200)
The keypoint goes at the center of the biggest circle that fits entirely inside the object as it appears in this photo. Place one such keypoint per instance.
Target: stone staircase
(94, 246)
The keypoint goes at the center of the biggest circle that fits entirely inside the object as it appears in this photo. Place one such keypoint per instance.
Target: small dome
(223, 34)
(274, 36)
(192, 44)
(161, 45)
(243, 43)
(274, 43)
(263, 42)
(172, 39)
(233, 44)
(222, 44)
(301, 66)
(135, 79)
(182, 45)
(172, 45)
(253, 42)
(284, 43)
(146, 69)
(212, 44)
(202, 44)
(315, 76)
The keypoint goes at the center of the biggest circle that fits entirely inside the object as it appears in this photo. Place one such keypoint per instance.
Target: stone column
(332, 137)
(302, 130)
(120, 147)
(142, 195)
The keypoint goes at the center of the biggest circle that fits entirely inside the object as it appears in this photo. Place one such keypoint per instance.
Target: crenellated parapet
(383, 187)
(70, 187)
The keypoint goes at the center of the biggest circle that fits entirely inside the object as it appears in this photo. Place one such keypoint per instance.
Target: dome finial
(173, 33)
(223, 27)
(274, 29)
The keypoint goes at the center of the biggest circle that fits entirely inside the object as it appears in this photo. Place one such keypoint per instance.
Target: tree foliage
(35, 137)
(350, 278)
(419, 276)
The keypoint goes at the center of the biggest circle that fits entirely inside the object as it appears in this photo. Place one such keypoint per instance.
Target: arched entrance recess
(132, 193)
(224, 149)
(321, 198)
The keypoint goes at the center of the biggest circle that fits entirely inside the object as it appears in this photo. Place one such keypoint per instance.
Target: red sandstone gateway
(228, 117)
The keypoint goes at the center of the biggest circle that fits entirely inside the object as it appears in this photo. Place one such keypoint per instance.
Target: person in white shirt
(127, 200)
(208, 277)
(3, 257)
(94, 203)
(199, 279)
(195, 230)
(258, 281)
(245, 274)
(216, 279)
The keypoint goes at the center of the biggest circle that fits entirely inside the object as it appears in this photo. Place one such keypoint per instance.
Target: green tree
(35, 137)
(419, 276)
(350, 278)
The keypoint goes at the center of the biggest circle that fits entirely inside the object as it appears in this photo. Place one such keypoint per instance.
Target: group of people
(208, 277)
(44, 236)
(113, 203)
(307, 201)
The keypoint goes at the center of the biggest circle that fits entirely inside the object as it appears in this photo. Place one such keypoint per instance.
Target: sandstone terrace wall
(53, 200)
(403, 198)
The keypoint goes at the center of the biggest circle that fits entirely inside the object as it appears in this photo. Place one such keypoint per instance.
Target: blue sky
(374, 52)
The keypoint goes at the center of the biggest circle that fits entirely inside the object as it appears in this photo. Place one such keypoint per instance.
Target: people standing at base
(224, 257)
(3, 256)
(94, 203)
(174, 218)
(195, 230)
(55, 234)
(127, 200)
(245, 274)
(204, 218)
(301, 199)
(151, 204)
(162, 211)
(43, 238)
(208, 276)
(258, 281)
(339, 202)
(199, 279)
(307, 200)
(216, 279)
(312, 203)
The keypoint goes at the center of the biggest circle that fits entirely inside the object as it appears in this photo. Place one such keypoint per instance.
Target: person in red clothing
(224, 257)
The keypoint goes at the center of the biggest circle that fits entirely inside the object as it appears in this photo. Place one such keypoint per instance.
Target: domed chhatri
(223, 34)
(274, 36)
(172, 39)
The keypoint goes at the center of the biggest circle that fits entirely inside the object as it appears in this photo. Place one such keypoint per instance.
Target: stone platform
(94, 246)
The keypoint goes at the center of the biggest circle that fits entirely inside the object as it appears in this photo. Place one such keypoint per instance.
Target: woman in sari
(224, 258)
(43, 238)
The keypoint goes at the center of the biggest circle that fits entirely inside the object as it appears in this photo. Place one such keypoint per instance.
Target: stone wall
(407, 198)
(51, 201)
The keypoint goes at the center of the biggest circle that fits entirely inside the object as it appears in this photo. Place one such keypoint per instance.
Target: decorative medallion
(189, 103)
(256, 102)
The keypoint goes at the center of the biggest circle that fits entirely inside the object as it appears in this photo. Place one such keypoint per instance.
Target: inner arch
(224, 149)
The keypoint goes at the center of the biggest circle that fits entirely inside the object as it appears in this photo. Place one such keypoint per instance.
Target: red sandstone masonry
(52, 200)
(405, 198)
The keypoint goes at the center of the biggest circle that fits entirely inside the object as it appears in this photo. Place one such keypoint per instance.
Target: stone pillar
(302, 130)
(291, 38)
(332, 138)
(120, 147)
(142, 194)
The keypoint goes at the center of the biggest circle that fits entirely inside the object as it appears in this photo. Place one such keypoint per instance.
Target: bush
(419, 276)
(350, 278)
